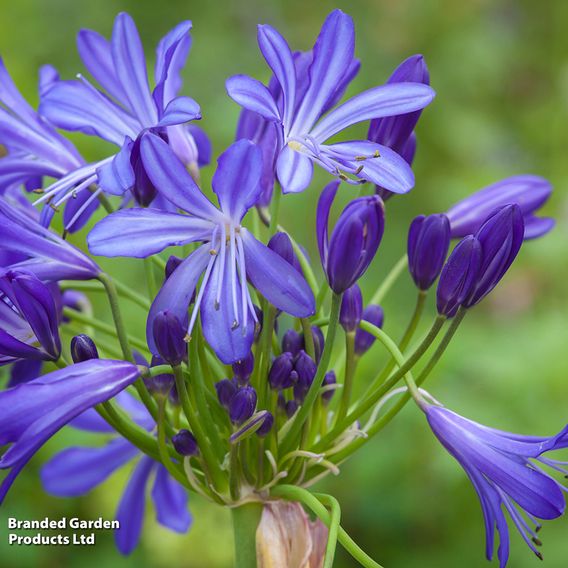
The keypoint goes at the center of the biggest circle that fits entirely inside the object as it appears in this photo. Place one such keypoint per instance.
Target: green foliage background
(500, 69)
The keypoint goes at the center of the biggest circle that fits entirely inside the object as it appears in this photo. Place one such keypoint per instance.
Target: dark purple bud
(160, 384)
(354, 242)
(172, 263)
(243, 369)
(428, 244)
(329, 379)
(266, 425)
(185, 443)
(83, 348)
(500, 237)
(279, 374)
(294, 377)
(351, 308)
(306, 368)
(291, 407)
(292, 342)
(169, 337)
(281, 244)
(364, 340)
(242, 405)
(226, 390)
(458, 276)
(143, 191)
(529, 192)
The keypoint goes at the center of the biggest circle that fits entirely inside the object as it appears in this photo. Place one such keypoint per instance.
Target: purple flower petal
(277, 280)
(170, 500)
(117, 176)
(141, 233)
(237, 178)
(252, 95)
(179, 111)
(322, 218)
(75, 471)
(294, 170)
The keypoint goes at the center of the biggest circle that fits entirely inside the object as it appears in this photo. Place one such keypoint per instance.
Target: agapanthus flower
(29, 319)
(507, 474)
(35, 148)
(346, 255)
(32, 412)
(303, 133)
(119, 66)
(529, 192)
(397, 132)
(76, 471)
(229, 256)
(38, 250)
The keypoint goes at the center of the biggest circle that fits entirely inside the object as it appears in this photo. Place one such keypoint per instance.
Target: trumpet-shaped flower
(506, 472)
(302, 133)
(229, 256)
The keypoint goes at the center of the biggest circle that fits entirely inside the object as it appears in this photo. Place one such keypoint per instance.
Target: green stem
(95, 286)
(163, 446)
(334, 526)
(350, 365)
(390, 280)
(151, 281)
(292, 493)
(308, 338)
(275, 209)
(245, 522)
(292, 436)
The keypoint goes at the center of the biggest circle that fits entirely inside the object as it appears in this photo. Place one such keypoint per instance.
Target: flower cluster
(242, 389)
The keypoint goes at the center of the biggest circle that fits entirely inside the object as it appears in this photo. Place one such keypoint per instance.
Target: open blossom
(77, 470)
(303, 133)
(506, 472)
(132, 108)
(32, 412)
(229, 256)
(29, 319)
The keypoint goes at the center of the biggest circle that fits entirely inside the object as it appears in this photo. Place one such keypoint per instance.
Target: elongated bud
(242, 405)
(292, 342)
(458, 276)
(364, 340)
(500, 237)
(281, 244)
(243, 369)
(226, 390)
(351, 308)
(306, 369)
(529, 192)
(328, 380)
(83, 348)
(279, 374)
(354, 242)
(428, 244)
(185, 443)
(169, 337)
(172, 263)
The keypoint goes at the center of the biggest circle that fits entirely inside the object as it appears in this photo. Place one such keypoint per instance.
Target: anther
(539, 555)
(537, 541)
(213, 252)
(342, 176)
(360, 158)
(38, 190)
(234, 325)
(216, 305)
(359, 170)
(187, 338)
(377, 154)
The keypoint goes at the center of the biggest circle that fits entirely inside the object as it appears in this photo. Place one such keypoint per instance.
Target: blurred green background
(500, 69)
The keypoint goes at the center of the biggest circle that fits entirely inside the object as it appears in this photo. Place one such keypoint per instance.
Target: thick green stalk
(334, 526)
(293, 493)
(350, 366)
(245, 522)
(163, 446)
(308, 338)
(293, 434)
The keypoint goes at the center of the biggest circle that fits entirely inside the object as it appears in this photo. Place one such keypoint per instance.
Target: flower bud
(428, 244)
(290, 408)
(306, 369)
(243, 369)
(329, 379)
(83, 348)
(363, 339)
(266, 425)
(292, 342)
(185, 443)
(143, 189)
(279, 374)
(169, 337)
(351, 309)
(160, 384)
(529, 192)
(242, 405)
(172, 263)
(500, 237)
(458, 276)
(281, 244)
(226, 390)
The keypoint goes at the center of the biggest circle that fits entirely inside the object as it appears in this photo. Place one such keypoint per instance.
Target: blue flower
(75, 471)
(32, 412)
(506, 472)
(124, 110)
(302, 133)
(229, 256)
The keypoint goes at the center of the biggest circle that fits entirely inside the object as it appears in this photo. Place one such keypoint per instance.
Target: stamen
(244, 288)
(210, 265)
(223, 247)
(73, 193)
(233, 274)
(84, 207)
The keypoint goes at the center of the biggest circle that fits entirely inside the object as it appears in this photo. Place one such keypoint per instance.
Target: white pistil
(83, 207)
(221, 273)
